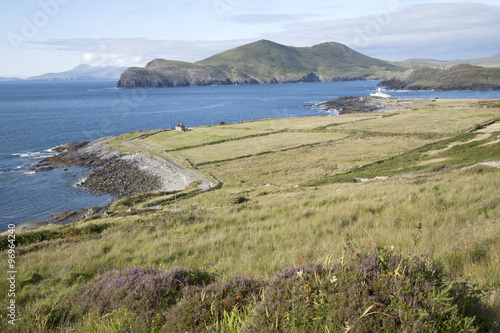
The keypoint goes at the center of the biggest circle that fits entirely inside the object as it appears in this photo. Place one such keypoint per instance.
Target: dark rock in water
(354, 104)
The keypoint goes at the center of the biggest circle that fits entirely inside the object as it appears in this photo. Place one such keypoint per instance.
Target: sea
(39, 116)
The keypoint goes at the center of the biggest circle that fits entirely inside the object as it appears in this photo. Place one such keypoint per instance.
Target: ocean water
(38, 116)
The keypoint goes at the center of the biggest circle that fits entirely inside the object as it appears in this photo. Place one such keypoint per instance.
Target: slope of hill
(484, 62)
(83, 73)
(261, 62)
(459, 77)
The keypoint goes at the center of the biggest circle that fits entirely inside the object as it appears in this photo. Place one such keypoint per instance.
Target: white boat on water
(380, 94)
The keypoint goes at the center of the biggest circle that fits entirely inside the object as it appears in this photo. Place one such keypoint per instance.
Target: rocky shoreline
(353, 104)
(109, 172)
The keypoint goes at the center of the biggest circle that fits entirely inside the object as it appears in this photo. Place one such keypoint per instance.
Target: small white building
(181, 128)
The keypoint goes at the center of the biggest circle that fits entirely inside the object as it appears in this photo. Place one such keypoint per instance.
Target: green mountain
(262, 62)
(459, 77)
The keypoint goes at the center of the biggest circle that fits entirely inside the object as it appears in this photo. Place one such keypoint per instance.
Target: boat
(380, 94)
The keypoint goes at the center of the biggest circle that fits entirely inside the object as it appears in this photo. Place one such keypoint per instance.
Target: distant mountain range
(262, 62)
(79, 73)
(9, 79)
(484, 62)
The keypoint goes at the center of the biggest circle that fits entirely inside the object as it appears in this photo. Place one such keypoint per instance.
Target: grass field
(278, 206)
(254, 146)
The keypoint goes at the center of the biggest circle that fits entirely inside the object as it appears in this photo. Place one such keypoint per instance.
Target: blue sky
(40, 36)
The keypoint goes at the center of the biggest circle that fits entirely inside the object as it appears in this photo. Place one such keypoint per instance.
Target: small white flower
(299, 273)
(333, 279)
(391, 247)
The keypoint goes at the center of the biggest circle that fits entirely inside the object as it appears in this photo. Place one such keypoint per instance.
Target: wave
(37, 154)
(80, 182)
(102, 89)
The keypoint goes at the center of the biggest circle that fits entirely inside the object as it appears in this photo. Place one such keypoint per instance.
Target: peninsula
(262, 62)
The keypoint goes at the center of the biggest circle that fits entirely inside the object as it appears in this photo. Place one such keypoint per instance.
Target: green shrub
(239, 200)
(43, 235)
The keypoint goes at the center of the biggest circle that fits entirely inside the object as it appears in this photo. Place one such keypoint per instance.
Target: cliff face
(262, 62)
(459, 77)
(162, 73)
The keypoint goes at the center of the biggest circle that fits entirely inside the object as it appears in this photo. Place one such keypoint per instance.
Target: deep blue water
(37, 116)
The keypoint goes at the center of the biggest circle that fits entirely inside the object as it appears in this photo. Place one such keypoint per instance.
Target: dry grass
(441, 117)
(254, 146)
(307, 164)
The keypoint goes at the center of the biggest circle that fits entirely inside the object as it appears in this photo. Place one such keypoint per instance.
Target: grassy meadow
(297, 197)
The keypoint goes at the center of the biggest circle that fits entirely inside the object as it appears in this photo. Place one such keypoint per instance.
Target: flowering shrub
(142, 291)
(381, 292)
(375, 291)
(204, 307)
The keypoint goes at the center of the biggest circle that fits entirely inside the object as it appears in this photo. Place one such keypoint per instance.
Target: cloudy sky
(40, 36)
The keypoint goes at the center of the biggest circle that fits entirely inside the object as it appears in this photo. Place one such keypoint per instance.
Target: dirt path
(205, 183)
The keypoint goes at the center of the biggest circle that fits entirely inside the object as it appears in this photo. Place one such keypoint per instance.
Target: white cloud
(112, 59)
(433, 30)
(138, 51)
(440, 31)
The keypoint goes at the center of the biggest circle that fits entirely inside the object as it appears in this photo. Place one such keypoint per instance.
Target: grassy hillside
(322, 224)
(266, 59)
(459, 77)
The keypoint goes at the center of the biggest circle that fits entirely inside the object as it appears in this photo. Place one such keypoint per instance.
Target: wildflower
(298, 263)
(238, 297)
(391, 247)
(249, 278)
(224, 300)
(333, 279)
(300, 273)
(369, 243)
(187, 287)
(301, 257)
